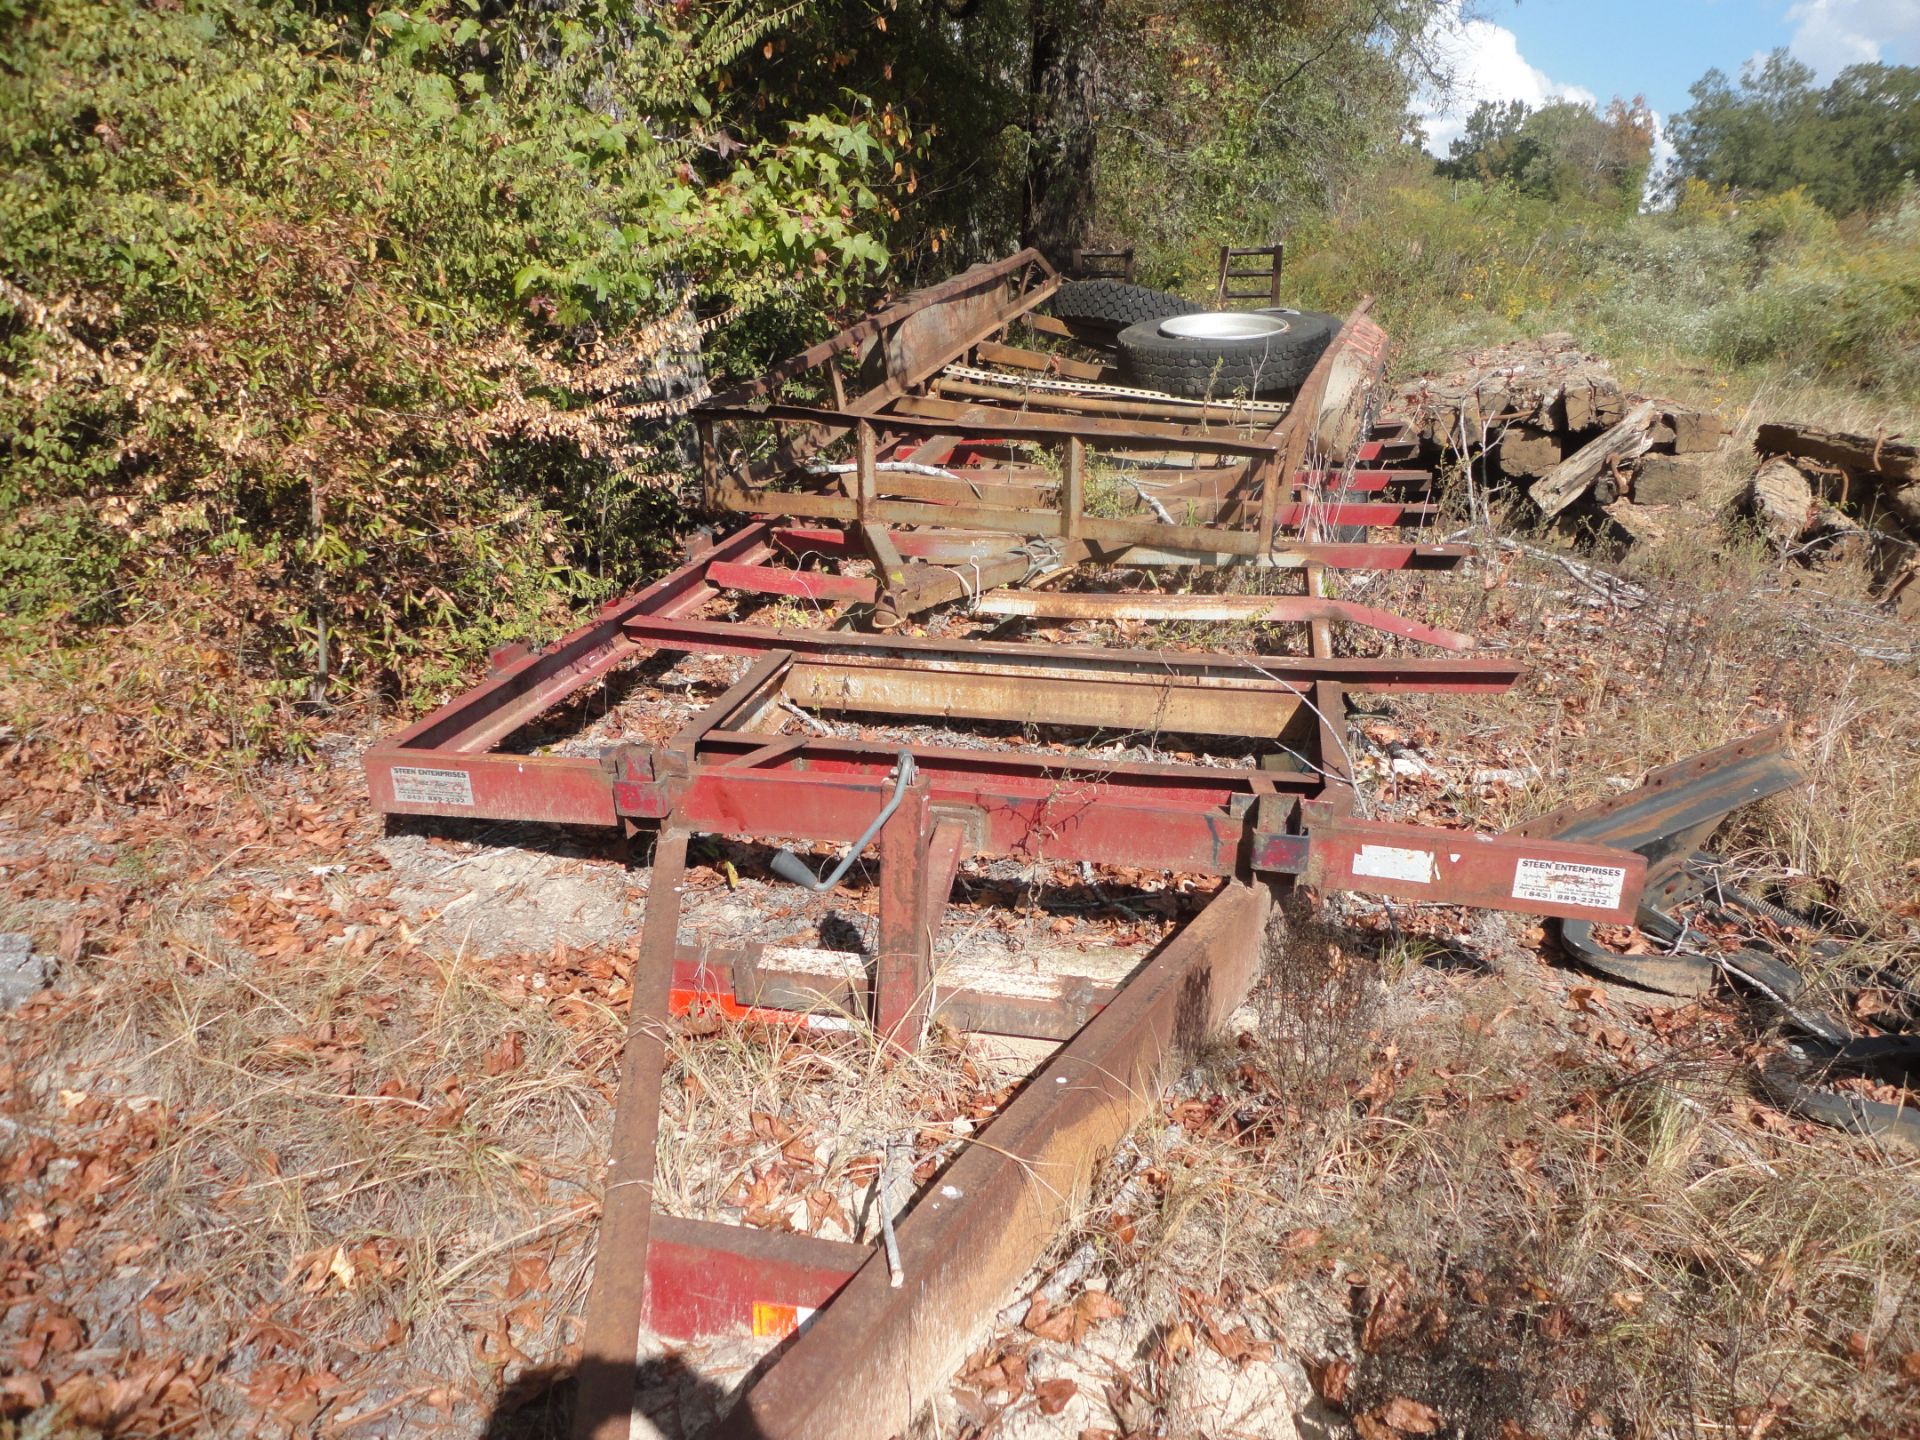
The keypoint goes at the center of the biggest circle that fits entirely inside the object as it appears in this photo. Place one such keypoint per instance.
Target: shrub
(1774, 284)
(345, 337)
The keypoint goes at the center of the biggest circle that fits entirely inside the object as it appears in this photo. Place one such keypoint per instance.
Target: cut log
(1781, 500)
(1867, 454)
(1669, 479)
(1527, 451)
(1687, 432)
(1574, 476)
(1576, 406)
(1535, 383)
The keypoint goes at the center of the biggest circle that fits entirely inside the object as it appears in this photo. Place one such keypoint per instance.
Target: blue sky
(1593, 50)
(1654, 47)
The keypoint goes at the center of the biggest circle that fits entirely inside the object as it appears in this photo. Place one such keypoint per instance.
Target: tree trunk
(1060, 127)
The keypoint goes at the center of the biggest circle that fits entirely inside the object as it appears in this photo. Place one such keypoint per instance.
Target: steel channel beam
(903, 956)
(1015, 772)
(1237, 609)
(1049, 523)
(1076, 605)
(455, 785)
(617, 1303)
(1021, 399)
(1008, 427)
(1031, 695)
(1459, 867)
(874, 1356)
(1071, 605)
(1074, 822)
(1669, 815)
(537, 681)
(969, 282)
(1381, 674)
(1106, 432)
(959, 545)
(581, 791)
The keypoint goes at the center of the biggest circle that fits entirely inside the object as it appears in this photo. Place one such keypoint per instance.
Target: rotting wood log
(1547, 384)
(1574, 476)
(1527, 450)
(1781, 500)
(1885, 456)
(1670, 479)
(1688, 432)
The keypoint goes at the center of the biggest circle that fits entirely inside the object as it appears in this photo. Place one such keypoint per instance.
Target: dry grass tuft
(789, 1129)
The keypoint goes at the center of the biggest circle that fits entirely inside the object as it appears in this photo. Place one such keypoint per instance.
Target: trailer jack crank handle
(789, 866)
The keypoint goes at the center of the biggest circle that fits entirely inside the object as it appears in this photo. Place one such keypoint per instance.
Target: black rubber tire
(1114, 304)
(1220, 369)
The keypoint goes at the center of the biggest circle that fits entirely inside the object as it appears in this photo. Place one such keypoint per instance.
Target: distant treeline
(1850, 145)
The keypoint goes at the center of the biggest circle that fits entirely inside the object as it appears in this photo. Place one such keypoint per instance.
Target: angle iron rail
(878, 1350)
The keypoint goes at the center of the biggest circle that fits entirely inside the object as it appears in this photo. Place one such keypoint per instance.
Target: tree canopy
(1563, 151)
(1850, 144)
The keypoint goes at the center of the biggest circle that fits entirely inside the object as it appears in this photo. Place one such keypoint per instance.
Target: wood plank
(1574, 476)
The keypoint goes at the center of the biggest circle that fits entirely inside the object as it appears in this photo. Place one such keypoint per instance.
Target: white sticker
(1561, 882)
(1389, 862)
(415, 786)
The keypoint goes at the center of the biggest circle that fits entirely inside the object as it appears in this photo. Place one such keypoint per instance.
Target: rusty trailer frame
(957, 495)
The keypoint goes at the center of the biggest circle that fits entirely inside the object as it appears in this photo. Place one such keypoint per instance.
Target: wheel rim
(1222, 325)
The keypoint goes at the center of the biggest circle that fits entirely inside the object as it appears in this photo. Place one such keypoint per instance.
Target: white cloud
(1653, 195)
(1485, 62)
(1830, 35)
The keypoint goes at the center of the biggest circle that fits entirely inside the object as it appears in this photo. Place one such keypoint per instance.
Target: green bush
(1774, 284)
(341, 341)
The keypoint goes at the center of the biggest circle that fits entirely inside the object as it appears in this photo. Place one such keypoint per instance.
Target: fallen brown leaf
(1397, 1417)
(1053, 1395)
(1332, 1380)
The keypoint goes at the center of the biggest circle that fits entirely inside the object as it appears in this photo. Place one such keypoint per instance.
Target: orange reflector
(775, 1322)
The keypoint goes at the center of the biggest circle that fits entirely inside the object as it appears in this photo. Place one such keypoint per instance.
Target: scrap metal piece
(1672, 812)
(617, 1303)
(1665, 819)
(1521, 874)
(947, 500)
(791, 868)
(866, 1362)
(1787, 1077)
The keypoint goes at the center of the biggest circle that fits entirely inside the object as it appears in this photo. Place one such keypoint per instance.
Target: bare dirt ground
(303, 1138)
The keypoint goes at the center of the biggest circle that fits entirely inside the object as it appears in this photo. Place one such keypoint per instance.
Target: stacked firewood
(1551, 417)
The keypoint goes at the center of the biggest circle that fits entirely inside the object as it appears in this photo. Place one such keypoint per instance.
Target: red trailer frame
(1268, 486)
